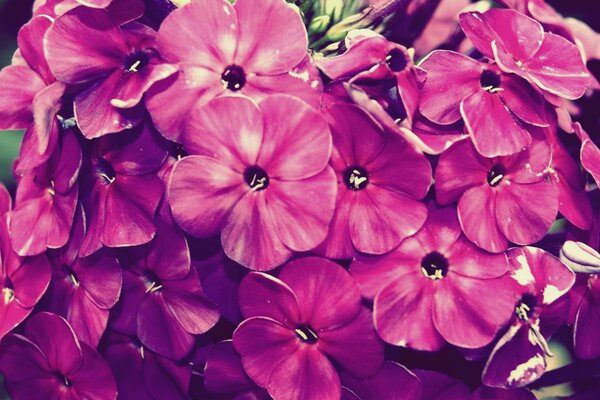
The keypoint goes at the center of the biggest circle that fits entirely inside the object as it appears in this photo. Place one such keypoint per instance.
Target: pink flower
(115, 66)
(46, 200)
(298, 324)
(589, 154)
(258, 175)
(30, 97)
(393, 381)
(519, 357)
(493, 105)
(519, 45)
(436, 287)
(255, 48)
(23, 280)
(499, 199)
(381, 178)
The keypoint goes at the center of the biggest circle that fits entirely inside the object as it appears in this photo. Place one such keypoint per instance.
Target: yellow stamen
(75, 281)
(142, 352)
(301, 334)
(496, 179)
(260, 183)
(133, 68)
(108, 178)
(9, 295)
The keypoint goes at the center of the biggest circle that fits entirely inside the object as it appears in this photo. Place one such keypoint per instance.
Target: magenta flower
(569, 181)
(30, 97)
(299, 324)
(380, 181)
(142, 374)
(23, 280)
(393, 381)
(258, 175)
(115, 65)
(519, 45)
(587, 322)
(255, 47)
(224, 373)
(83, 290)
(519, 357)
(162, 301)
(499, 199)
(378, 72)
(589, 154)
(490, 102)
(49, 362)
(46, 200)
(122, 189)
(437, 386)
(432, 288)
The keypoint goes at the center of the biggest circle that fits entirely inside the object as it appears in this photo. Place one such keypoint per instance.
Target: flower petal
(84, 44)
(493, 128)
(525, 212)
(261, 49)
(327, 295)
(477, 213)
(264, 295)
(200, 180)
(450, 78)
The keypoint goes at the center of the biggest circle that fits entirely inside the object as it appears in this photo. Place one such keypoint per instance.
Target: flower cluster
(252, 199)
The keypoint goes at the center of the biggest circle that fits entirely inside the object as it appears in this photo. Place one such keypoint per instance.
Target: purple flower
(122, 190)
(380, 180)
(437, 386)
(83, 290)
(393, 381)
(490, 102)
(255, 48)
(519, 357)
(142, 374)
(46, 200)
(500, 199)
(117, 65)
(225, 374)
(49, 362)
(162, 301)
(436, 287)
(221, 279)
(519, 45)
(299, 324)
(30, 97)
(258, 175)
(23, 280)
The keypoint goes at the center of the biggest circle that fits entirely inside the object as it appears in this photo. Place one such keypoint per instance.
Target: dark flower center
(396, 60)
(256, 178)
(356, 178)
(137, 61)
(152, 281)
(306, 334)
(434, 265)
(233, 78)
(105, 171)
(495, 175)
(525, 307)
(489, 80)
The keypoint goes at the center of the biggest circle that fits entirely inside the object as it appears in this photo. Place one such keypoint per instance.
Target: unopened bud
(580, 257)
